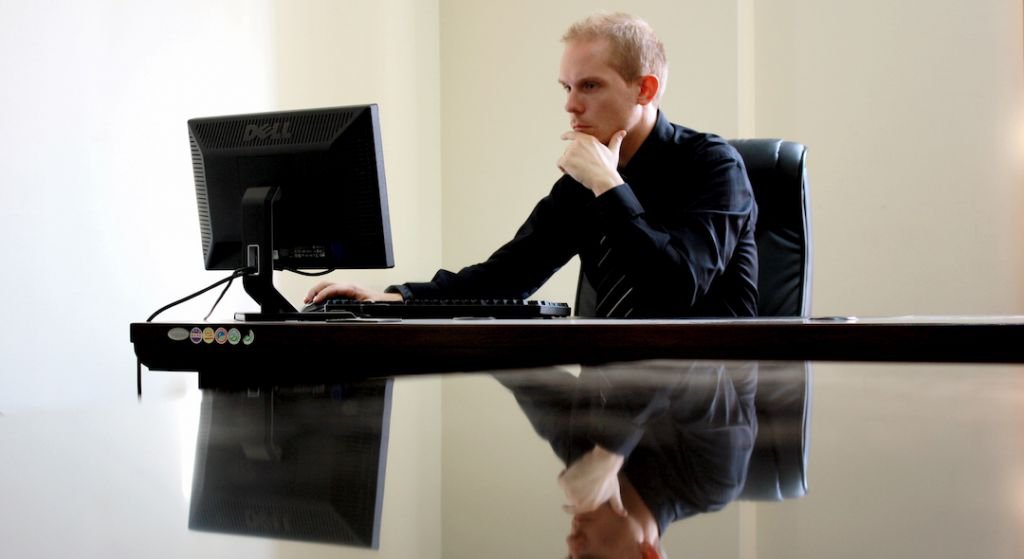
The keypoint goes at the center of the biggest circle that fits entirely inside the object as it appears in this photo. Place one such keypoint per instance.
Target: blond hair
(636, 50)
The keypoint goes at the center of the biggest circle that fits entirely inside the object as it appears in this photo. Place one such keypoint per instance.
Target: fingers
(565, 162)
(591, 163)
(613, 143)
(326, 290)
(616, 503)
(313, 291)
(586, 491)
(616, 141)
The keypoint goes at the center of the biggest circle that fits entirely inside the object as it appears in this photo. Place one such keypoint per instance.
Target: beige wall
(912, 112)
(386, 52)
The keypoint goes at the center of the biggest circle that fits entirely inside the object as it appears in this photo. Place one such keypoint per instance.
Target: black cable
(236, 274)
(310, 273)
(221, 296)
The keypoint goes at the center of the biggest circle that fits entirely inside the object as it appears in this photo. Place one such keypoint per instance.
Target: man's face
(599, 101)
(603, 533)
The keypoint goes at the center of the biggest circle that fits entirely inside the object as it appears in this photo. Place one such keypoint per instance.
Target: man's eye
(589, 85)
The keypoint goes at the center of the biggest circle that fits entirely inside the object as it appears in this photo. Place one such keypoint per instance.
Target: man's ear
(649, 86)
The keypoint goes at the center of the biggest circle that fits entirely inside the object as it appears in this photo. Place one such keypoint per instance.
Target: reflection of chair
(778, 464)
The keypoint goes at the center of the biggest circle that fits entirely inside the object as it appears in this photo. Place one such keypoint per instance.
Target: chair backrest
(777, 173)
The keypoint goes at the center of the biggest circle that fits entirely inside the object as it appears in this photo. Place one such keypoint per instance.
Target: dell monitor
(288, 191)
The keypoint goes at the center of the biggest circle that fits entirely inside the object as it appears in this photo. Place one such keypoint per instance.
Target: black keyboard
(440, 308)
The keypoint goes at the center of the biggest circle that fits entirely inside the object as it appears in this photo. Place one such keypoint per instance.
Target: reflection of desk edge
(345, 350)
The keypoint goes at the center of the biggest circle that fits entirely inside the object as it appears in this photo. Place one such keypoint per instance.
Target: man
(662, 216)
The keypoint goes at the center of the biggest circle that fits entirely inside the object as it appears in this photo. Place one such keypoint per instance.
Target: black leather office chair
(778, 463)
(777, 173)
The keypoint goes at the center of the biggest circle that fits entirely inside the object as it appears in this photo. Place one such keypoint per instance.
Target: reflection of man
(661, 216)
(645, 444)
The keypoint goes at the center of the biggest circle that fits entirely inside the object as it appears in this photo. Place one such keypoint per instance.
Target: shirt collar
(661, 133)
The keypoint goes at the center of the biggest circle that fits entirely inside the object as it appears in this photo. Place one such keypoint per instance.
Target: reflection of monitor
(291, 190)
(294, 463)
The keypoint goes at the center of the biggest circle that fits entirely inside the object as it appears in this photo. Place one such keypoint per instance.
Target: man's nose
(572, 104)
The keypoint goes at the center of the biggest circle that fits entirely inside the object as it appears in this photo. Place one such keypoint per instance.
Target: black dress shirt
(682, 223)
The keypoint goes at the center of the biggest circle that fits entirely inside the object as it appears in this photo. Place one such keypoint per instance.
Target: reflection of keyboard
(440, 308)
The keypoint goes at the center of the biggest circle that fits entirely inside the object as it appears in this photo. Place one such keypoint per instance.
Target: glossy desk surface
(828, 459)
(372, 440)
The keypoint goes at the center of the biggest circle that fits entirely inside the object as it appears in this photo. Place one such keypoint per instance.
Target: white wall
(99, 206)
(98, 214)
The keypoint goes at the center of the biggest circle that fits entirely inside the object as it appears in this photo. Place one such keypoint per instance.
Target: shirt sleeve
(541, 246)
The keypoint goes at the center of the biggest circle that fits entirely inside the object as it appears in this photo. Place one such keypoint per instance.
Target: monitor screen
(291, 190)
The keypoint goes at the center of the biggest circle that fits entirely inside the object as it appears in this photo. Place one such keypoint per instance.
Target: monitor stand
(258, 240)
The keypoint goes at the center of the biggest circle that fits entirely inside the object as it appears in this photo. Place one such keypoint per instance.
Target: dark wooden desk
(340, 349)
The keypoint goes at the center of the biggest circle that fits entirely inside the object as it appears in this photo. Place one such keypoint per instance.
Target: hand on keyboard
(330, 290)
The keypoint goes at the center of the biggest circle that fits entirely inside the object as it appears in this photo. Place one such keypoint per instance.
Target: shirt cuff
(618, 204)
(402, 290)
